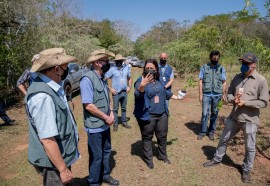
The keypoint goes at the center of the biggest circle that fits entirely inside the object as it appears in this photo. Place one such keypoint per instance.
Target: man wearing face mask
(121, 85)
(98, 117)
(212, 88)
(53, 143)
(166, 73)
(248, 92)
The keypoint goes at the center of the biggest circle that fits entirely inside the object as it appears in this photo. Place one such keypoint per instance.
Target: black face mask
(105, 67)
(163, 61)
(118, 64)
(65, 74)
(214, 62)
(150, 71)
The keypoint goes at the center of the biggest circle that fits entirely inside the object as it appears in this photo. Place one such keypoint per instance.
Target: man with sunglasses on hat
(121, 85)
(98, 117)
(248, 92)
(53, 143)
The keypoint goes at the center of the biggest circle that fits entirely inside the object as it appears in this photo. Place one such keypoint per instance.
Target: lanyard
(244, 82)
(155, 86)
(163, 72)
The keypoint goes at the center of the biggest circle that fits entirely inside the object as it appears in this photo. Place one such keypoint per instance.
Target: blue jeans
(122, 99)
(3, 114)
(99, 148)
(209, 103)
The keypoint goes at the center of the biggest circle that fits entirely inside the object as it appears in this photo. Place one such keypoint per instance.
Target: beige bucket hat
(119, 57)
(51, 51)
(52, 58)
(99, 54)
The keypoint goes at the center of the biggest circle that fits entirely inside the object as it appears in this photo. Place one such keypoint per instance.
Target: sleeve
(45, 123)
(223, 75)
(24, 77)
(87, 91)
(263, 96)
(231, 91)
(201, 73)
(172, 75)
(168, 94)
(137, 93)
(129, 73)
(108, 74)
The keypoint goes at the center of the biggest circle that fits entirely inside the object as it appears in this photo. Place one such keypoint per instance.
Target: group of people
(53, 143)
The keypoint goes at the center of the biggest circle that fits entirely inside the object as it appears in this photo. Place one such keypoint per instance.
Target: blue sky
(146, 13)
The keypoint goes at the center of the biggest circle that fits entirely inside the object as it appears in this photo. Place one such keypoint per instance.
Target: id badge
(164, 78)
(156, 99)
(241, 91)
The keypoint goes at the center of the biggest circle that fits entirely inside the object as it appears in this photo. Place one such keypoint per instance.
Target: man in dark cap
(248, 92)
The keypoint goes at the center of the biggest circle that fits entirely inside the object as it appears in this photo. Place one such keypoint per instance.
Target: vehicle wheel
(68, 92)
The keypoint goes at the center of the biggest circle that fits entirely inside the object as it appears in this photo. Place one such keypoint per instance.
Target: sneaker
(109, 180)
(245, 177)
(211, 136)
(200, 136)
(211, 163)
(126, 125)
(115, 128)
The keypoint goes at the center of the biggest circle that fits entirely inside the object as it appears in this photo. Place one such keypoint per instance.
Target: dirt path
(186, 153)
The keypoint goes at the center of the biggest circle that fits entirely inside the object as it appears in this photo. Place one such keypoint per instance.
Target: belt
(121, 91)
(157, 115)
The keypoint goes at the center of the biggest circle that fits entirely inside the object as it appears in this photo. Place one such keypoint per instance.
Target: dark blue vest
(164, 78)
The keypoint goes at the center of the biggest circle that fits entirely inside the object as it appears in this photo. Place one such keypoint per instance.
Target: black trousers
(159, 126)
(51, 177)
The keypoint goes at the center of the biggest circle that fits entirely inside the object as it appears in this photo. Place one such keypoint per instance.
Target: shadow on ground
(136, 148)
(194, 126)
(209, 152)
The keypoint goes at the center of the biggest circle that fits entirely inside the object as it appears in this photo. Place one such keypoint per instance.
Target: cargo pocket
(251, 128)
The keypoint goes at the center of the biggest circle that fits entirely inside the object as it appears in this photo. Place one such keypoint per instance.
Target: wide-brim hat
(47, 61)
(99, 54)
(250, 58)
(51, 51)
(119, 57)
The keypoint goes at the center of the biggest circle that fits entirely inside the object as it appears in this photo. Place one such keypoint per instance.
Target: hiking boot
(115, 128)
(200, 136)
(211, 163)
(245, 177)
(126, 125)
(211, 136)
(111, 181)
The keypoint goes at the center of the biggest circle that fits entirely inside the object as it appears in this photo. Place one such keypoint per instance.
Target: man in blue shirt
(212, 88)
(166, 73)
(121, 85)
(98, 117)
(53, 135)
